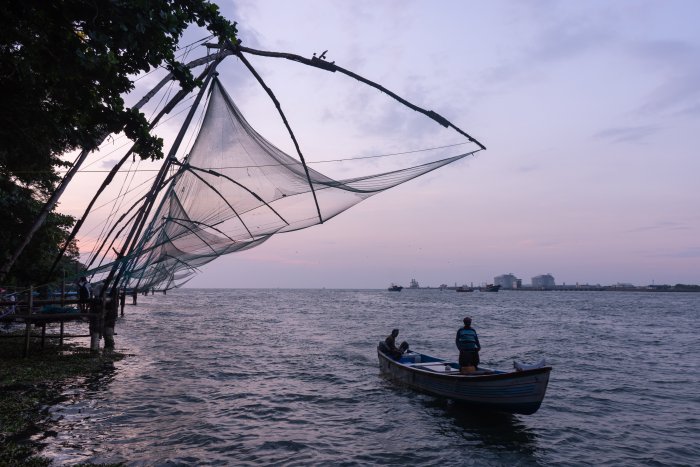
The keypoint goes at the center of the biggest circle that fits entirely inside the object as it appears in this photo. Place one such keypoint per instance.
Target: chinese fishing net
(235, 190)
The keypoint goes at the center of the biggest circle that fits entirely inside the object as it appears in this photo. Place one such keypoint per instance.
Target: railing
(30, 312)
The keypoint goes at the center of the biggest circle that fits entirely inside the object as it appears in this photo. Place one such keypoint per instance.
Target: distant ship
(395, 288)
(464, 288)
(414, 284)
(490, 288)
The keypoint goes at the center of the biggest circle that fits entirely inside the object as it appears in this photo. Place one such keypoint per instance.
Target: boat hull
(518, 392)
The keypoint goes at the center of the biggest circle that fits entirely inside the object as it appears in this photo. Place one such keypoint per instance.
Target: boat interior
(437, 365)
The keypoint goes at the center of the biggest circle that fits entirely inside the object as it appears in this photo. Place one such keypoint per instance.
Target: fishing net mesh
(235, 190)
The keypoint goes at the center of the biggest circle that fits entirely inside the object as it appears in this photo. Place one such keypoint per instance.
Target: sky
(589, 112)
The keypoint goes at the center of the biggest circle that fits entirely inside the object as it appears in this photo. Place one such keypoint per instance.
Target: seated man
(390, 345)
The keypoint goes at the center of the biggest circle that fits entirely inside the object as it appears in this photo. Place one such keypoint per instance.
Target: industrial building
(545, 281)
(508, 281)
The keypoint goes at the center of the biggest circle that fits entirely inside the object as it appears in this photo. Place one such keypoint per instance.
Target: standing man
(468, 344)
(12, 307)
(122, 300)
(84, 294)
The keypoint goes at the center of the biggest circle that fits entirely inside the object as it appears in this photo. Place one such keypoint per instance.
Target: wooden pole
(27, 332)
(332, 67)
(63, 289)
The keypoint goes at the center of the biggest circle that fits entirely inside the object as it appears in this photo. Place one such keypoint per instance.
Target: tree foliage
(19, 208)
(64, 67)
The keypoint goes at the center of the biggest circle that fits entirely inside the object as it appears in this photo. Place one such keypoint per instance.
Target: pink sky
(589, 111)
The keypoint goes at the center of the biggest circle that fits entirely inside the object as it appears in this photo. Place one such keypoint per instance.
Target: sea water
(291, 377)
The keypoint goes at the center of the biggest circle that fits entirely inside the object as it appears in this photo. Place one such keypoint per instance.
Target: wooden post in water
(28, 324)
(63, 303)
(27, 332)
(63, 290)
(96, 311)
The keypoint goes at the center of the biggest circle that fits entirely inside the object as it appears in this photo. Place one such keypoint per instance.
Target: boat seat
(437, 367)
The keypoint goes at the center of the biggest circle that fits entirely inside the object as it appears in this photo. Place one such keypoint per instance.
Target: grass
(29, 385)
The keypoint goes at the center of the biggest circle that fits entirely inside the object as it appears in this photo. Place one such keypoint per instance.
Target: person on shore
(122, 301)
(12, 308)
(84, 294)
(468, 344)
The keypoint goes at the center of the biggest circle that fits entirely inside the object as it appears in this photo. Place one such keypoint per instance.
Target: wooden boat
(519, 392)
(395, 288)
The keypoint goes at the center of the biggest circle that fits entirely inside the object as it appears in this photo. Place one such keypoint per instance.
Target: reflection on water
(498, 430)
(100, 380)
(290, 377)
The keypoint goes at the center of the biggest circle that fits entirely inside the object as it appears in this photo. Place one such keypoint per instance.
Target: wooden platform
(41, 320)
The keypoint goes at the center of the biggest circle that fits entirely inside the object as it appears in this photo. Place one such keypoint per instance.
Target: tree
(64, 67)
(19, 208)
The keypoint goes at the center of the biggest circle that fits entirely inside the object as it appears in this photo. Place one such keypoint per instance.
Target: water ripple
(290, 377)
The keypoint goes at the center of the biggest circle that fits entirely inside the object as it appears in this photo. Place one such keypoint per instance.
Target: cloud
(564, 36)
(661, 226)
(537, 243)
(692, 111)
(692, 252)
(571, 37)
(632, 134)
(528, 168)
(683, 253)
(239, 12)
(670, 67)
(678, 95)
(678, 64)
(667, 53)
(370, 113)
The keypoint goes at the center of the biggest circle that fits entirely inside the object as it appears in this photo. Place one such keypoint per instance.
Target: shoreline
(29, 385)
